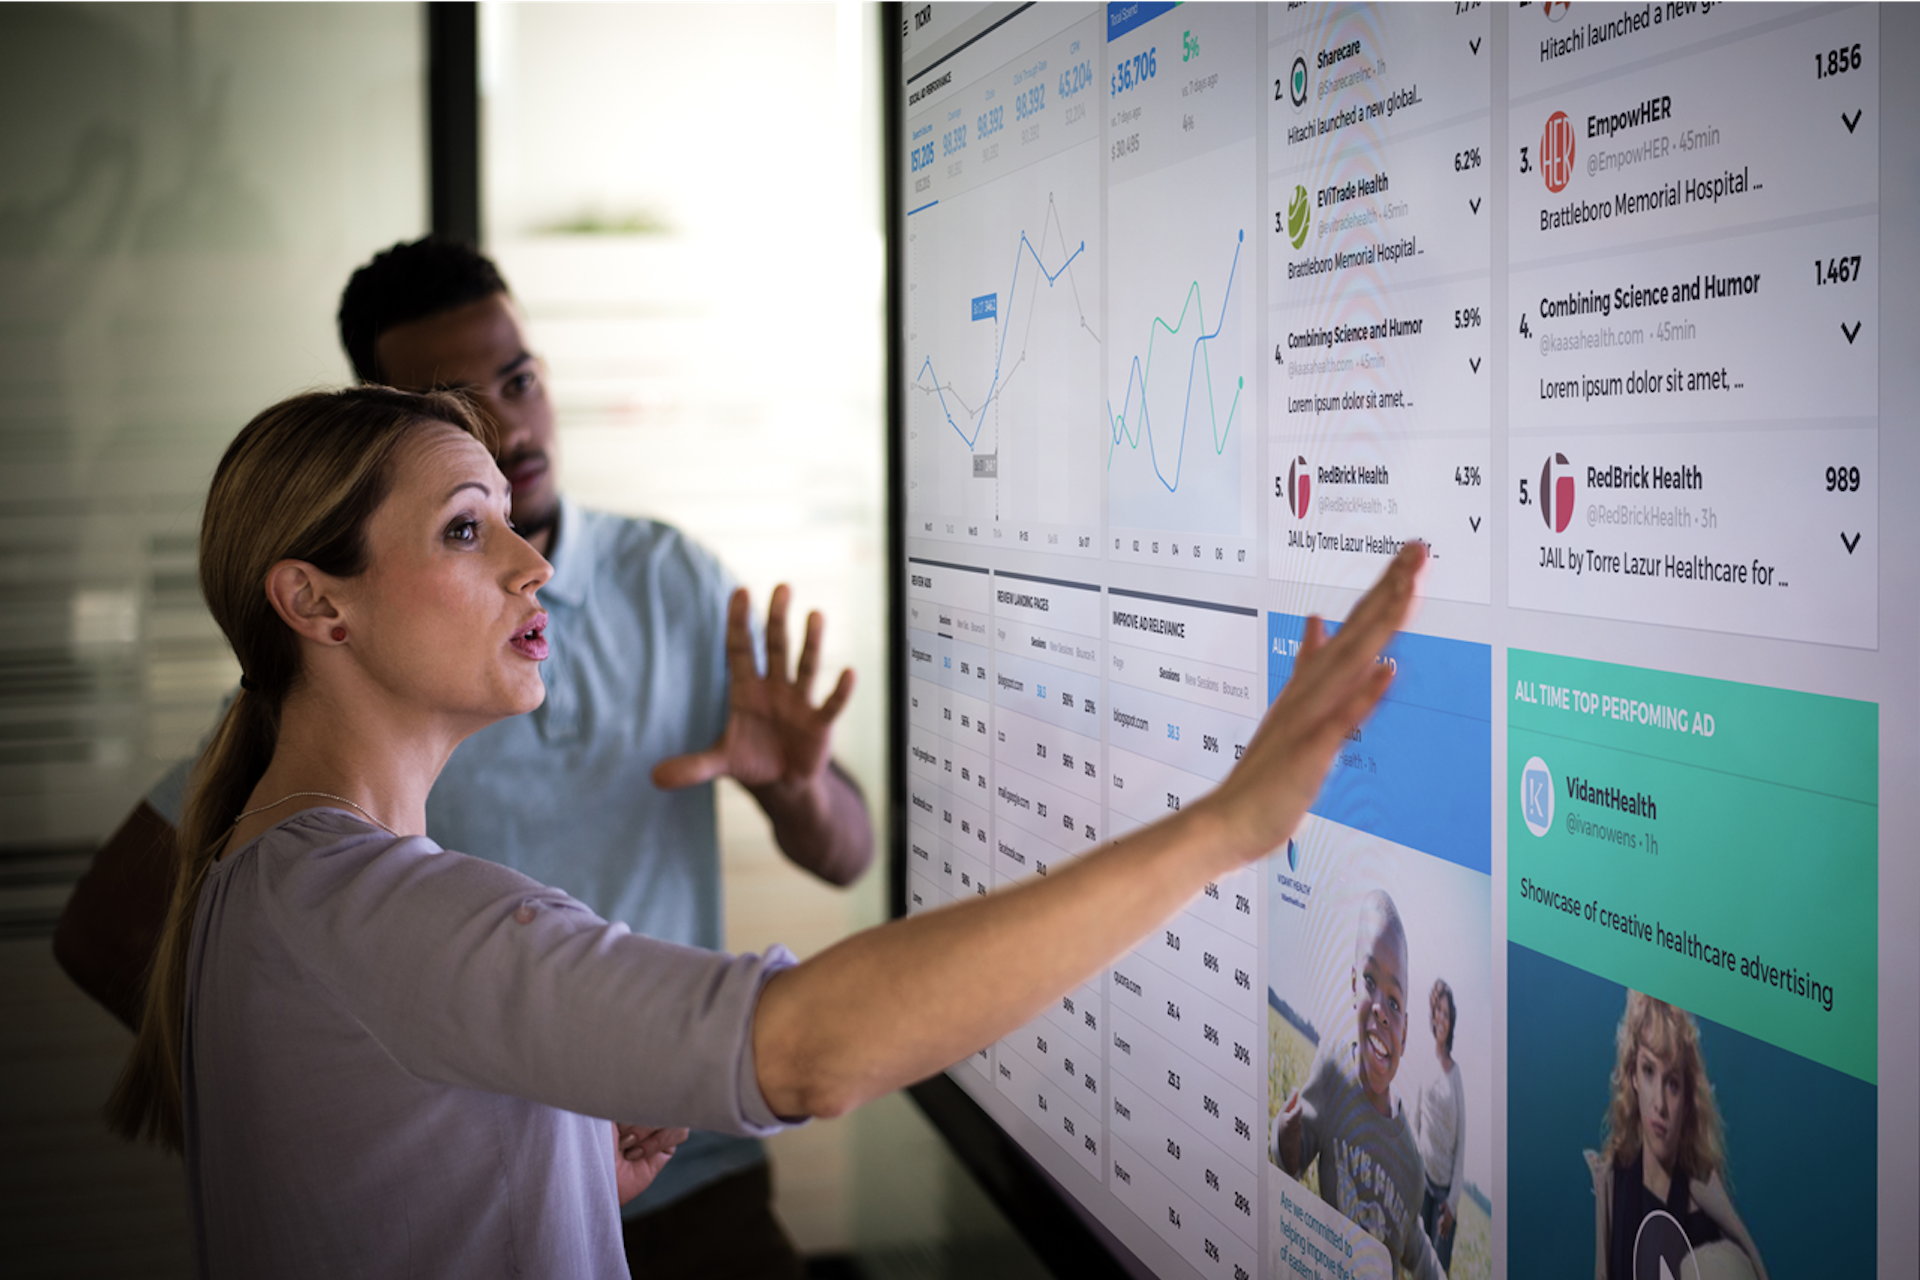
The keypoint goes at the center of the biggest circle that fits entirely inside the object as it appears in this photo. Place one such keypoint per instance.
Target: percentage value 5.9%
(1466, 317)
(1465, 160)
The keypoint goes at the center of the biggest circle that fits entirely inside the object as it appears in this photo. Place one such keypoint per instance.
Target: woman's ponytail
(299, 482)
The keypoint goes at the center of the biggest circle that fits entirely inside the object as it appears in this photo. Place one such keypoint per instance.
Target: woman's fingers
(1383, 610)
(1336, 682)
(1325, 672)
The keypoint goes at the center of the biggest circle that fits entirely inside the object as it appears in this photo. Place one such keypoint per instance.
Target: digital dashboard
(1199, 313)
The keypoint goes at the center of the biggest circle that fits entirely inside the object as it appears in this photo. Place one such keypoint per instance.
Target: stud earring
(339, 634)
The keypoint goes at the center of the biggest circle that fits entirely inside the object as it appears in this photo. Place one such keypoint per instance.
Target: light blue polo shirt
(636, 674)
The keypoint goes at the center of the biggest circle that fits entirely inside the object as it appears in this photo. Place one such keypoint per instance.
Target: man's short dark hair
(406, 283)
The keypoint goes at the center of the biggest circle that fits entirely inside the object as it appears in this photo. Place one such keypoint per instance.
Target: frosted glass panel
(183, 191)
(703, 273)
(708, 301)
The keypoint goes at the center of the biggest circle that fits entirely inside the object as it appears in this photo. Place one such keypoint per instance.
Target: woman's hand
(1335, 684)
(639, 1153)
(895, 1004)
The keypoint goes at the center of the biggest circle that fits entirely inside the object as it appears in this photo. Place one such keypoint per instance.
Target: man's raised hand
(775, 736)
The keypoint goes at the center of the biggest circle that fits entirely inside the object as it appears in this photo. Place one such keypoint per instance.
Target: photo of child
(1383, 1117)
(1346, 1115)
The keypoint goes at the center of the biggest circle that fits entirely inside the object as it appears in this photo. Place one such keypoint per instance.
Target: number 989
(1843, 479)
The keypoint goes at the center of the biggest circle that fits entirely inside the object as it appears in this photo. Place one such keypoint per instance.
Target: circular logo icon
(1556, 9)
(1297, 81)
(1299, 487)
(1556, 493)
(1556, 152)
(1536, 796)
(1298, 216)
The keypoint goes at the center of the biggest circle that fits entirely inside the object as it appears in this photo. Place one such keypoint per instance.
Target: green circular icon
(1297, 217)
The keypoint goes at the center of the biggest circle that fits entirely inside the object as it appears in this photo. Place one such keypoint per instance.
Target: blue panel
(1420, 772)
(1122, 18)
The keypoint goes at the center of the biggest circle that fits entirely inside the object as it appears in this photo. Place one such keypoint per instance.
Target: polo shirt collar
(571, 557)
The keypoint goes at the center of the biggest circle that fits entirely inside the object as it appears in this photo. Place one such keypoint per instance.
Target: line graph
(1139, 374)
(927, 378)
(1003, 308)
(1180, 450)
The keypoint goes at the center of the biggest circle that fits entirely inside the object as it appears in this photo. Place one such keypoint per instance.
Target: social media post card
(1379, 988)
(1611, 1090)
(1708, 851)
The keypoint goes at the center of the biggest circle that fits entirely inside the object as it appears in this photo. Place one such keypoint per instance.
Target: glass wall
(715, 352)
(183, 190)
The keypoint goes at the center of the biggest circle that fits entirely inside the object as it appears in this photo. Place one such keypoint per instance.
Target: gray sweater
(401, 1061)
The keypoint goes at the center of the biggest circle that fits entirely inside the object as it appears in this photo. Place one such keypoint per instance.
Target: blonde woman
(1659, 1180)
(381, 1057)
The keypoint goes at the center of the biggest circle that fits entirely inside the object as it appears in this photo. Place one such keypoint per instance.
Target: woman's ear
(307, 600)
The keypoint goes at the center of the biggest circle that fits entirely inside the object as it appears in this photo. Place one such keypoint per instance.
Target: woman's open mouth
(532, 641)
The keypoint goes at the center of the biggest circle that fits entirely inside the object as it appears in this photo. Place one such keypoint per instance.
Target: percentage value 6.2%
(1467, 477)
(1465, 160)
(1466, 317)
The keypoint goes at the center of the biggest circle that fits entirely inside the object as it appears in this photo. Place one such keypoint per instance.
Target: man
(640, 679)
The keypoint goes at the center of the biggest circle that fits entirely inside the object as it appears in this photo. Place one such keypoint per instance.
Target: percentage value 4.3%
(1467, 477)
(1465, 160)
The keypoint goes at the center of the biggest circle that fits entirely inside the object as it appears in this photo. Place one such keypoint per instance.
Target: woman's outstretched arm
(897, 1003)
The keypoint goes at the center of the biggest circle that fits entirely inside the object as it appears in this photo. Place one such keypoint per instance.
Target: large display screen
(1599, 948)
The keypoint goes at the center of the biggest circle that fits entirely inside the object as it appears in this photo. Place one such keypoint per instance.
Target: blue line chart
(976, 417)
(1139, 372)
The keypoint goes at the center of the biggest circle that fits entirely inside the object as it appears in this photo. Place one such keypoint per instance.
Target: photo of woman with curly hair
(1660, 1181)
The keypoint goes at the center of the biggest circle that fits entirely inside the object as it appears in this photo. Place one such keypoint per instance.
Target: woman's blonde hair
(299, 482)
(1670, 1035)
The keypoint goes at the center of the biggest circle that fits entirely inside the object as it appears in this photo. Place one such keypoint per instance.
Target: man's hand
(775, 736)
(639, 1153)
(776, 745)
(1445, 1221)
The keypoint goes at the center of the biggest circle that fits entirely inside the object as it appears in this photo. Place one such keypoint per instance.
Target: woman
(1659, 1179)
(379, 1056)
(1443, 1131)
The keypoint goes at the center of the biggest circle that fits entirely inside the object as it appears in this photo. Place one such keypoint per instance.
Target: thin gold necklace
(324, 795)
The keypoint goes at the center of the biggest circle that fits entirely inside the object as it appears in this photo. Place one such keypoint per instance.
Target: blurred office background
(686, 200)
